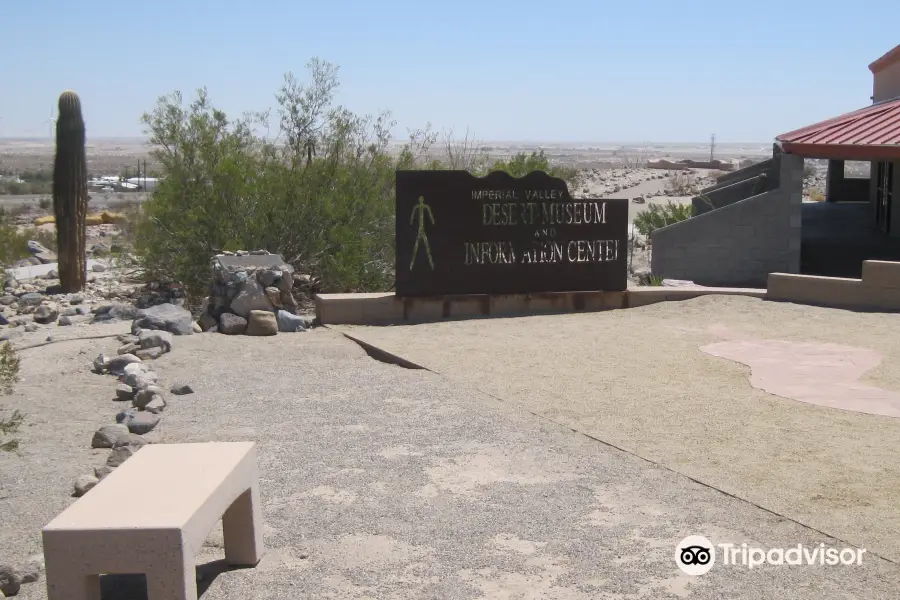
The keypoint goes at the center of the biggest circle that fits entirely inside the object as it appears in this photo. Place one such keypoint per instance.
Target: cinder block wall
(739, 244)
(745, 173)
(713, 198)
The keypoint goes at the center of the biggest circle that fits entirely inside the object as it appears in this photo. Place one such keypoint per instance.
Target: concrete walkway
(387, 483)
(637, 379)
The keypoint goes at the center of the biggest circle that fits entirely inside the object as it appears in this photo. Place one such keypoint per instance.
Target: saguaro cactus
(70, 193)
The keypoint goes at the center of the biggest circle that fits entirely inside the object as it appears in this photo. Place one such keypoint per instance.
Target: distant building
(753, 221)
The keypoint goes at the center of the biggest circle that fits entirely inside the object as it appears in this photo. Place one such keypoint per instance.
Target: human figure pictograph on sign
(419, 209)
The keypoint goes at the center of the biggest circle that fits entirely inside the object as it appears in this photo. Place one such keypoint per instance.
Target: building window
(884, 192)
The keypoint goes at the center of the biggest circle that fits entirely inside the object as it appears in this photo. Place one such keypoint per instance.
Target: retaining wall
(739, 244)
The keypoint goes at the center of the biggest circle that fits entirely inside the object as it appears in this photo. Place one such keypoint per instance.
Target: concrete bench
(151, 515)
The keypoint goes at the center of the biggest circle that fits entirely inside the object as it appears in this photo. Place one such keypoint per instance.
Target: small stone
(31, 570)
(131, 439)
(124, 392)
(125, 416)
(140, 381)
(116, 365)
(106, 436)
(285, 282)
(101, 472)
(231, 324)
(31, 299)
(288, 322)
(143, 397)
(268, 277)
(76, 299)
(251, 297)
(64, 320)
(206, 322)
(165, 317)
(197, 328)
(262, 322)
(118, 311)
(31, 328)
(70, 311)
(180, 388)
(101, 363)
(128, 349)
(84, 484)
(98, 268)
(156, 405)
(155, 339)
(135, 369)
(10, 580)
(149, 353)
(143, 422)
(51, 275)
(7, 300)
(120, 455)
(274, 296)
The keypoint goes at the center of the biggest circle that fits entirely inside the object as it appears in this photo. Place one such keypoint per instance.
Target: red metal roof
(870, 133)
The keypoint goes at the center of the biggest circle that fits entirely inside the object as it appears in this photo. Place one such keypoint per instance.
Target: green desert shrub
(9, 375)
(13, 245)
(321, 194)
(661, 215)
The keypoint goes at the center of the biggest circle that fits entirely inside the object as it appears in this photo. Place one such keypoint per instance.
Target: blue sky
(568, 70)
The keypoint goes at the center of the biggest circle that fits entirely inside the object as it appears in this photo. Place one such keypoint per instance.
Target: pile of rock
(151, 337)
(26, 304)
(252, 295)
(159, 292)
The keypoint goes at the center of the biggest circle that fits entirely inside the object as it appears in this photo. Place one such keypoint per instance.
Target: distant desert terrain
(110, 155)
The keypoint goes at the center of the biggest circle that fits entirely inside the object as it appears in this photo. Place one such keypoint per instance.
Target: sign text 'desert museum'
(461, 234)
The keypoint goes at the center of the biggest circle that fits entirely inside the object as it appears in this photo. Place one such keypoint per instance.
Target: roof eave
(843, 151)
(886, 60)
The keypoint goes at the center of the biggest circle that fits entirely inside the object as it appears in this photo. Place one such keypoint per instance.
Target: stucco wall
(887, 83)
(739, 244)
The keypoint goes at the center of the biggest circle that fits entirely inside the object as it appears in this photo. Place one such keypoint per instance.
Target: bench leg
(63, 585)
(174, 579)
(242, 526)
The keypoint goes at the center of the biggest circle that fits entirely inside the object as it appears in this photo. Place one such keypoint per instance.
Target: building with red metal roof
(870, 134)
(754, 221)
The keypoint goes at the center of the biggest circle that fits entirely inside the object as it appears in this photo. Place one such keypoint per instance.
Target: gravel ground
(389, 483)
(637, 380)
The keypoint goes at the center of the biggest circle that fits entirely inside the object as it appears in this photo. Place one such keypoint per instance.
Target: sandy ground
(637, 379)
(388, 483)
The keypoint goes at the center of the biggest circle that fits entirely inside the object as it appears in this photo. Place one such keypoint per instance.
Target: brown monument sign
(461, 234)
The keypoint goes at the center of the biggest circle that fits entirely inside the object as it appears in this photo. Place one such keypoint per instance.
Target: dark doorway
(884, 192)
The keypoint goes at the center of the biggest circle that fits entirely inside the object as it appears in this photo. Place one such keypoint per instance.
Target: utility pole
(712, 148)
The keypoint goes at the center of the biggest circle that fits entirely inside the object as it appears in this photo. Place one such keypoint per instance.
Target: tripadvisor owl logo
(695, 555)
